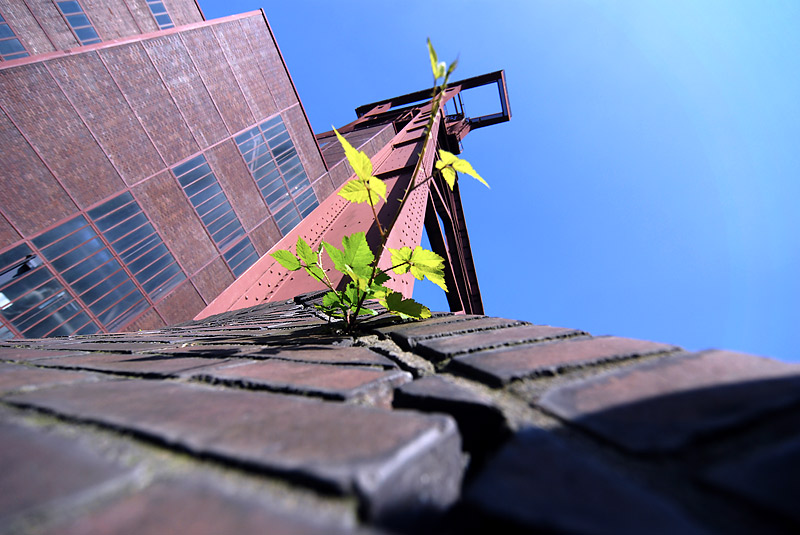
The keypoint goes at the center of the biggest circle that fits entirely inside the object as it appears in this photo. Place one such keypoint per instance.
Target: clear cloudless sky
(648, 182)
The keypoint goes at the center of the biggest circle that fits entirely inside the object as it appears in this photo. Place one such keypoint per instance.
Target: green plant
(355, 259)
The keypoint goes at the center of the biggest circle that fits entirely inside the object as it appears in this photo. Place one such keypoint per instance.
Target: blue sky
(649, 180)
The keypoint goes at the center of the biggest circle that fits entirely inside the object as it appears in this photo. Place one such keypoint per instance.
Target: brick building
(149, 158)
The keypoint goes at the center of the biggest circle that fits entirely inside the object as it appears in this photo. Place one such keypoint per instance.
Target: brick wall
(41, 28)
(78, 129)
(266, 418)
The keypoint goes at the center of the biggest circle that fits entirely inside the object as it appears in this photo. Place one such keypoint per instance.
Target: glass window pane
(26, 283)
(104, 288)
(5, 333)
(109, 206)
(157, 7)
(183, 168)
(83, 255)
(58, 314)
(77, 21)
(136, 243)
(208, 199)
(164, 281)
(221, 222)
(59, 232)
(86, 35)
(247, 140)
(231, 233)
(89, 328)
(70, 7)
(14, 256)
(157, 256)
(199, 185)
(6, 31)
(163, 20)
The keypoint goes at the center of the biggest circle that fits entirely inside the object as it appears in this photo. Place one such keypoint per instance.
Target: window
(34, 302)
(200, 184)
(85, 263)
(137, 244)
(160, 14)
(273, 161)
(10, 46)
(78, 21)
(241, 256)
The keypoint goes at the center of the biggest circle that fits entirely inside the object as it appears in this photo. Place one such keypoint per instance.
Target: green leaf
(351, 295)
(286, 259)
(428, 264)
(463, 166)
(331, 300)
(380, 278)
(304, 252)
(401, 259)
(438, 67)
(449, 176)
(421, 263)
(448, 163)
(316, 272)
(355, 257)
(358, 190)
(405, 308)
(359, 161)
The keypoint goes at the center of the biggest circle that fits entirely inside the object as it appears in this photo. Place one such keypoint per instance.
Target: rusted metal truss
(431, 205)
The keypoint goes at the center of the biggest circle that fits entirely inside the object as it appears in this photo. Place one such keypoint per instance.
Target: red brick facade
(79, 129)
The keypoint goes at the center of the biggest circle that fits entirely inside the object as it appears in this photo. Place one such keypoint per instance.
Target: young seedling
(365, 280)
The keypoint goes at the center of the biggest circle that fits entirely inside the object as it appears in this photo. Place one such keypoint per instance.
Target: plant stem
(436, 97)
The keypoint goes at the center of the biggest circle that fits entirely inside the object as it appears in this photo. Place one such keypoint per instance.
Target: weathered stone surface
(480, 421)
(357, 356)
(537, 482)
(189, 507)
(663, 405)
(110, 346)
(331, 382)
(770, 478)
(206, 350)
(450, 346)
(144, 365)
(498, 367)
(24, 354)
(14, 377)
(407, 335)
(38, 468)
(390, 459)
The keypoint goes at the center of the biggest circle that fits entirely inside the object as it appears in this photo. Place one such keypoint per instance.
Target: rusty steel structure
(432, 206)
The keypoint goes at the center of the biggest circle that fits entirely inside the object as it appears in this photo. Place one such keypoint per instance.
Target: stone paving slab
(24, 354)
(501, 366)
(450, 346)
(768, 477)
(15, 377)
(540, 484)
(153, 366)
(175, 507)
(481, 423)
(407, 335)
(331, 382)
(389, 459)
(663, 405)
(201, 349)
(38, 468)
(355, 356)
(114, 347)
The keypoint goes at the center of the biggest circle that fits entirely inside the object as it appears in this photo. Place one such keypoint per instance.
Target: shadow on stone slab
(539, 484)
(673, 421)
(482, 425)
